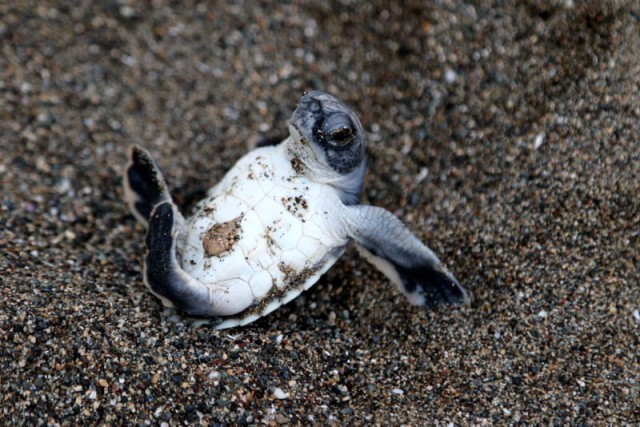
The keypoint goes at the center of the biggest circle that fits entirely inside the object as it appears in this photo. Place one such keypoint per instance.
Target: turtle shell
(267, 227)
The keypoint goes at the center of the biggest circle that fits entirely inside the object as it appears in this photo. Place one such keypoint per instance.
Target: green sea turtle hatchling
(275, 223)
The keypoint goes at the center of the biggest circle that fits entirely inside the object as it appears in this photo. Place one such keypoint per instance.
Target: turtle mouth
(297, 135)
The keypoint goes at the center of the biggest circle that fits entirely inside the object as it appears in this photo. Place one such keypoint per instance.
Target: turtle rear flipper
(385, 242)
(166, 279)
(144, 186)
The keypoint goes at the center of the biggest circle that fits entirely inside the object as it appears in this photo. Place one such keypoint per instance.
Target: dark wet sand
(507, 137)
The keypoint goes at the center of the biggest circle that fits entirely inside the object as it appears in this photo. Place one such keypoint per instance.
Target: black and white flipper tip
(387, 244)
(144, 186)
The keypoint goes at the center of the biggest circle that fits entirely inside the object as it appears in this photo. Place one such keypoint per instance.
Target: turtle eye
(342, 135)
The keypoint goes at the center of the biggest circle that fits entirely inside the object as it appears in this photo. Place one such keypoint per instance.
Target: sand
(506, 134)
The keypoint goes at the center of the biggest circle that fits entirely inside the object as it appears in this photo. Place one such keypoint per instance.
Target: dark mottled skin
(322, 120)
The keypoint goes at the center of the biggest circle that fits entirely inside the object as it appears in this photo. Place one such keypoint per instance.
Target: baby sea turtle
(275, 223)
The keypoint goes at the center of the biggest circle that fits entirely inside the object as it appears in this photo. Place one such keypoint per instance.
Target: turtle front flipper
(385, 242)
(144, 186)
(166, 279)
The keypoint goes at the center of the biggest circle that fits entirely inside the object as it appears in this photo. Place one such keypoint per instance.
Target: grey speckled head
(332, 129)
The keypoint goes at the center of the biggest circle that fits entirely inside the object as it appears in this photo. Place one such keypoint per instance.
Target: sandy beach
(505, 134)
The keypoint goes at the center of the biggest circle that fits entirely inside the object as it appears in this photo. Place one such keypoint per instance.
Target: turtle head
(332, 136)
